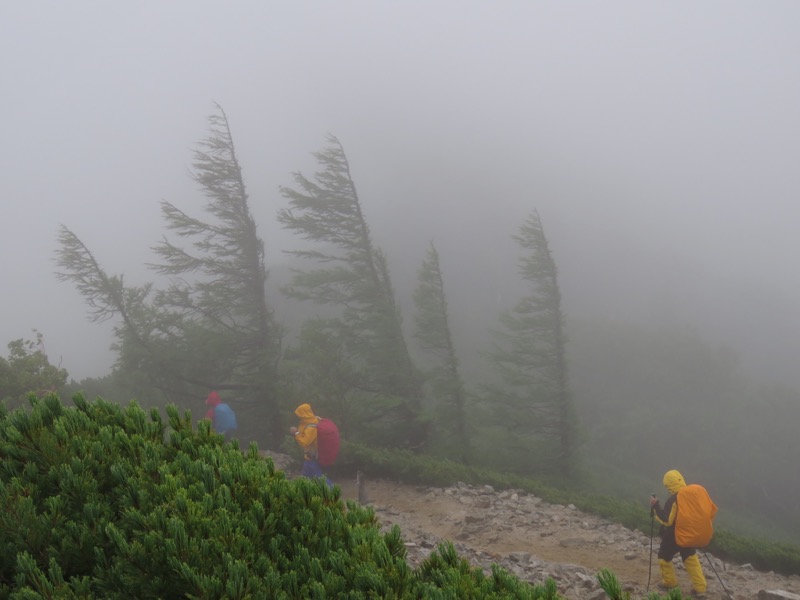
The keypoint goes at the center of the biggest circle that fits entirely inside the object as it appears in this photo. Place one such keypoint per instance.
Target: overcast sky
(665, 131)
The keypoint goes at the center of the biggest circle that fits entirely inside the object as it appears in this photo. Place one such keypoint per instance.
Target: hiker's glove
(653, 502)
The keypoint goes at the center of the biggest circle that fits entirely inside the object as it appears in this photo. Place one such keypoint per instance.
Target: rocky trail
(536, 540)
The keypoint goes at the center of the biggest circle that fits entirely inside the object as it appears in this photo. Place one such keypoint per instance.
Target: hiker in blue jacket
(223, 419)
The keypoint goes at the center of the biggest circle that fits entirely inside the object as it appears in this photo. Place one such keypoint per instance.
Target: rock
(777, 595)
(474, 518)
(573, 542)
(520, 557)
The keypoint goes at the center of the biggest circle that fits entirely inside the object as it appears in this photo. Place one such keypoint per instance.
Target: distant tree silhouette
(434, 336)
(533, 395)
(212, 326)
(349, 274)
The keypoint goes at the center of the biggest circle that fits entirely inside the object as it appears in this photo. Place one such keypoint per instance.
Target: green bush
(98, 501)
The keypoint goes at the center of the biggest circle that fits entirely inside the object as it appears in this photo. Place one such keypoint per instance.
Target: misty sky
(660, 142)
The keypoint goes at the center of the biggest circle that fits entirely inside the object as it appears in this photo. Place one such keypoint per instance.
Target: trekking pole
(650, 558)
(711, 564)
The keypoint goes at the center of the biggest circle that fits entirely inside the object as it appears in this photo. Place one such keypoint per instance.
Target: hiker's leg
(666, 551)
(327, 479)
(668, 578)
(311, 469)
(695, 571)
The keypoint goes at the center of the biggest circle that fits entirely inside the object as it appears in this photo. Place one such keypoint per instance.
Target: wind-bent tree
(350, 274)
(212, 326)
(434, 336)
(108, 297)
(224, 310)
(530, 354)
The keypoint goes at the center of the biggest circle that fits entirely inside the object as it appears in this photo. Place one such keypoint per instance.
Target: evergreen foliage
(351, 275)
(613, 589)
(222, 315)
(28, 370)
(533, 395)
(436, 339)
(212, 327)
(104, 502)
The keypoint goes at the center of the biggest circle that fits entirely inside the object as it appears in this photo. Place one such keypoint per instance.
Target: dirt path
(555, 535)
(442, 516)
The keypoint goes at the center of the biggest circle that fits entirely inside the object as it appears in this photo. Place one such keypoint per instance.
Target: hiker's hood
(213, 399)
(673, 481)
(305, 413)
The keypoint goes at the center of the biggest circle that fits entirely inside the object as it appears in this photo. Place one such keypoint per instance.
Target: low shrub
(98, 501)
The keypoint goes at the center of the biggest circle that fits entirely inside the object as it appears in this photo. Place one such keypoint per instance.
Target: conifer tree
(351, 274)
(108, 298)
(435, 338)
(224, 308)
(212, 326)
(530, 352)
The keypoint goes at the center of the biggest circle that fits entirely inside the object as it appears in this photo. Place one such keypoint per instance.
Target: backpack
(696, 510)
(224, 418)
(327, 442)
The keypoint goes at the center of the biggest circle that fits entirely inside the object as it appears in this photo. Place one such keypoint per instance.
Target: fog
(659, 142)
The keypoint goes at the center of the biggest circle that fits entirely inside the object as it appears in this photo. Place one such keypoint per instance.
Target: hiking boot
(698, 595)
(665, 587)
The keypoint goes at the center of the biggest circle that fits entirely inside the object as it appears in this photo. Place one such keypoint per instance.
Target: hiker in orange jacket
(306, 436)
(674, 481)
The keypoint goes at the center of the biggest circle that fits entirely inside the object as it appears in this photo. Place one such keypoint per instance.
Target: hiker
(306, 436)
(666, 517)
(223, 419)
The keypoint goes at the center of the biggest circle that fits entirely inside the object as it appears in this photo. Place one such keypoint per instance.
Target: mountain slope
(536, 540)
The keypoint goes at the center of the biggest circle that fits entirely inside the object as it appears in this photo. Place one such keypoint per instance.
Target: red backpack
(327, 442)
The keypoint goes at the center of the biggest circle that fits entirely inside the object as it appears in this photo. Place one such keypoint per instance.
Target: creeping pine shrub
(101, 501)
(614, 591)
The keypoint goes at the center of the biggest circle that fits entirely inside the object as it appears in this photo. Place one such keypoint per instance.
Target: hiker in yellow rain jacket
(306, 436)
(674, 481)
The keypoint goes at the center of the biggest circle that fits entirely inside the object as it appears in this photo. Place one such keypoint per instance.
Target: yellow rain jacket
(306, 434)
(673, 481)
(670, 544)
